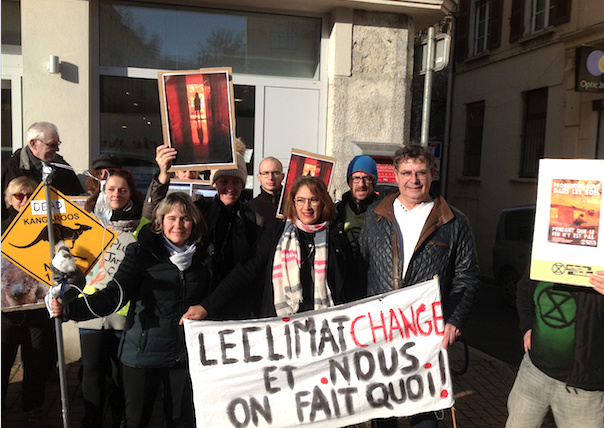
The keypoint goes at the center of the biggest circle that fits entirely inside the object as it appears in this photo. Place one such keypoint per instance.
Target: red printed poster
(575, 212)
(567, 245)
(197, 111)
(304, 163)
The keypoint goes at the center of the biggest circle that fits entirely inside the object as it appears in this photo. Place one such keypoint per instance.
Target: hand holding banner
(379, 357)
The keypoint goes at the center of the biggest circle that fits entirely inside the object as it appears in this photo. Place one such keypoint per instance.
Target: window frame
(532, 143)
(472, 158)
(474, 27)
(548, 15)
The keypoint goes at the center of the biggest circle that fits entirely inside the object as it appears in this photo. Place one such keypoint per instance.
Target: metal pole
(47, 178)
(444, 164)
(427, 89)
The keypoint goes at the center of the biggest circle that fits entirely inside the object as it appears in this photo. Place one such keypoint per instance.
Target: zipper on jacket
(181, 304)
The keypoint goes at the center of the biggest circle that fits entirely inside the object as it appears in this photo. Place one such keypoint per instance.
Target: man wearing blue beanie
(350, 211)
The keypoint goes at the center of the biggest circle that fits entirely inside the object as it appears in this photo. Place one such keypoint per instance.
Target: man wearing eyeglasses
(350, 211)
(266, 203)
(42, 144)
(413, 235)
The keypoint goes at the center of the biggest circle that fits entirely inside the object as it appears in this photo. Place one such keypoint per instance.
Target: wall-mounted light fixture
(54, 66)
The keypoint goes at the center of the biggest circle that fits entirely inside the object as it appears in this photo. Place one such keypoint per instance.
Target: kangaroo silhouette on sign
(62, 233)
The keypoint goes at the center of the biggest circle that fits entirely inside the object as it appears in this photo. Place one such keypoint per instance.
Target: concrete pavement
(480, 394)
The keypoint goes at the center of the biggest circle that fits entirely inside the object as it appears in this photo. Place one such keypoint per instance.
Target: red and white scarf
(287, 286)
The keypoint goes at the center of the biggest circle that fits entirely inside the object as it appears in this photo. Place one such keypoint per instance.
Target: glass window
(473, 141)
(519, 225)
(543, 14)
(170, 38)
(131, 125)
(533, 132)
(11, 23)
(481, 26)
(7, 126)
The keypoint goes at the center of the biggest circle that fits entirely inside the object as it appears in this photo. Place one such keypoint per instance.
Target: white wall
(369, 97)
(58, 27)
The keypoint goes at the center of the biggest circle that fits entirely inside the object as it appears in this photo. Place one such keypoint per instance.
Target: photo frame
(197, 113)
(306, 163)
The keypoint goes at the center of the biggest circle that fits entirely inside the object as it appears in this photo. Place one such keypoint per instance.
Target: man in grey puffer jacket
(413, 235)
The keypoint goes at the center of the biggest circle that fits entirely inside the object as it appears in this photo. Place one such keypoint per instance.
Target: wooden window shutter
(495, 24)
(463, 29)
(562, 11)
(516, 20)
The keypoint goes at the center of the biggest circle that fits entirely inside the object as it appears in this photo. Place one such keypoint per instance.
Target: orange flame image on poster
(575, 212)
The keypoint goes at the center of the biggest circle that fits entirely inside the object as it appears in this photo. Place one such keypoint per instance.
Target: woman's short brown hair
(17, 185)
(317, 188)
(185, 205)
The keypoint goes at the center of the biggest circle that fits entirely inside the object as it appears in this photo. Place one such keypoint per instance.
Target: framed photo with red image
(197, 112)
(306, 163)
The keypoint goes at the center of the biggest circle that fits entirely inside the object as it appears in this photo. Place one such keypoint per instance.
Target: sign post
(47, 178)
(25, 241)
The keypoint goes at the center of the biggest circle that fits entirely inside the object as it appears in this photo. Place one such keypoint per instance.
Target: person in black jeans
(113, 194)
(164, 275)
(33, 329)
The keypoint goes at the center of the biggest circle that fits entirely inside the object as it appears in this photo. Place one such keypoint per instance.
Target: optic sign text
(378, 357)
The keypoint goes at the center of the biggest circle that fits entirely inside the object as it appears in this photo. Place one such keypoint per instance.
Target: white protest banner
(378, 357)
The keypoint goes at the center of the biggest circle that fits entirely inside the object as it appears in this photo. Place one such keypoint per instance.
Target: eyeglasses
(366, 180)
(106, 173)
(301, 202)
(21, 196)
(421, 175)
(51, 145)
(273, 173)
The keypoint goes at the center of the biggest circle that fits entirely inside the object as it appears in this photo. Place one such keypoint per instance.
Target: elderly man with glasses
(41, 144)
(413, 235)
(267, 202)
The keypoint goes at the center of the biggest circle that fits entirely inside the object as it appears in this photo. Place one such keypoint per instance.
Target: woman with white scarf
(118, 205)
(165, 275)
(303, 258)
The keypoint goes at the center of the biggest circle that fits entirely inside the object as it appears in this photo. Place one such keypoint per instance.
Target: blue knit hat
(364, 164)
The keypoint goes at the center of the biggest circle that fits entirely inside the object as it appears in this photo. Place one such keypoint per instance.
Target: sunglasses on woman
(21, 196)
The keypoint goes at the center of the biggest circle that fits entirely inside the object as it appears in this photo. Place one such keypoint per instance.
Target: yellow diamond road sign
(26, 243)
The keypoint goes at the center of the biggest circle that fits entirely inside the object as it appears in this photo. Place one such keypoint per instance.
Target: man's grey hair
(416, 152)
(277, 161)
(40, 131)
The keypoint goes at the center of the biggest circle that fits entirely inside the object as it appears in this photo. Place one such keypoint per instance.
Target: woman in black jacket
(117, 204)
(303, 258)
(32, 330)
(165, 276)
(233, 227)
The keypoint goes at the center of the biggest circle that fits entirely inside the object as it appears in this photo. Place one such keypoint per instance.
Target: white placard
(378, 357)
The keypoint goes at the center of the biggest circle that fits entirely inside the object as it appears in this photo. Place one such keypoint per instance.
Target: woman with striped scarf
(303, 258)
